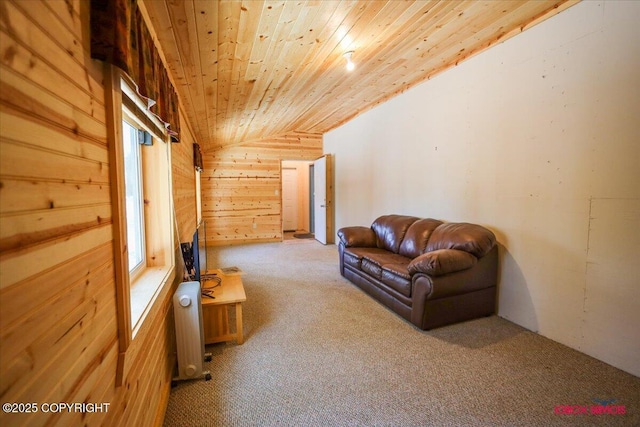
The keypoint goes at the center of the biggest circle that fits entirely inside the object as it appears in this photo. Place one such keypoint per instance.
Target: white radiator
(187, 311)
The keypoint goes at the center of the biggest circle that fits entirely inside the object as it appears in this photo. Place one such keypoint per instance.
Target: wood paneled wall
(242, 187)
(184, 183)
(58, 332)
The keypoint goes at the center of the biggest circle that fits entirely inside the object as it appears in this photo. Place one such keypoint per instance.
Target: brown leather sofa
(429, 272)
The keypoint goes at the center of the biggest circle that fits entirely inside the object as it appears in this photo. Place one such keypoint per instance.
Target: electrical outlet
(277, 192)
(255, 225)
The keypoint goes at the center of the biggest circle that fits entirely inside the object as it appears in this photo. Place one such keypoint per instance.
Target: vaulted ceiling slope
(249, 69)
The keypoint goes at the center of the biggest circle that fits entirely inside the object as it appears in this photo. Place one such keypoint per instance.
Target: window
(134, 197)
(148, 208)
(142, 212)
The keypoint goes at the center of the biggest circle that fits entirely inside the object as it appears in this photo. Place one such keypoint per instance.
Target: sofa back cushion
(416, 238)
(471, 238)
(390, 230)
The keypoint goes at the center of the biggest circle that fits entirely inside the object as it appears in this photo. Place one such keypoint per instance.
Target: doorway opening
(297, 199)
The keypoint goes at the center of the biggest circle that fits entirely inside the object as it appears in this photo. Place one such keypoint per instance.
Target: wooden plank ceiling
(251, 69)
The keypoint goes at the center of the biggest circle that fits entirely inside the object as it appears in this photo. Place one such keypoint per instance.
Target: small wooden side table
(215, 313)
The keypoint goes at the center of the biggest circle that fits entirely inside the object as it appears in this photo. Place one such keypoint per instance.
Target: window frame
(157, 276)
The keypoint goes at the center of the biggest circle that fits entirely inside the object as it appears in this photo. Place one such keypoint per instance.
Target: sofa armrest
(442, 261)
(357, 237)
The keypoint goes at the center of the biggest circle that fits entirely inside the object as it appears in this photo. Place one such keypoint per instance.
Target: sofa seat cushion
(352, 259)
(391, 269)
(353, 256)
(397, 277)
(387, 267)
(371, 268)
(383, 258)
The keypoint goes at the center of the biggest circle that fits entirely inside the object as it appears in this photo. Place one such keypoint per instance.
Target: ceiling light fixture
(350, 65)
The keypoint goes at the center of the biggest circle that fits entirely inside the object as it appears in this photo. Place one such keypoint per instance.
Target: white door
(320, 199)
(289, 199)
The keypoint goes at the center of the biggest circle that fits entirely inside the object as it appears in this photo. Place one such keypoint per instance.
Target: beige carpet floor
(320, 352)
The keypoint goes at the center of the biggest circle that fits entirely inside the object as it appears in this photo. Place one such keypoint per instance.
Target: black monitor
(200, 251)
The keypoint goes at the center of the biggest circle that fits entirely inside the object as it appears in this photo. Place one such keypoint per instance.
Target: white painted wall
(537, 138)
